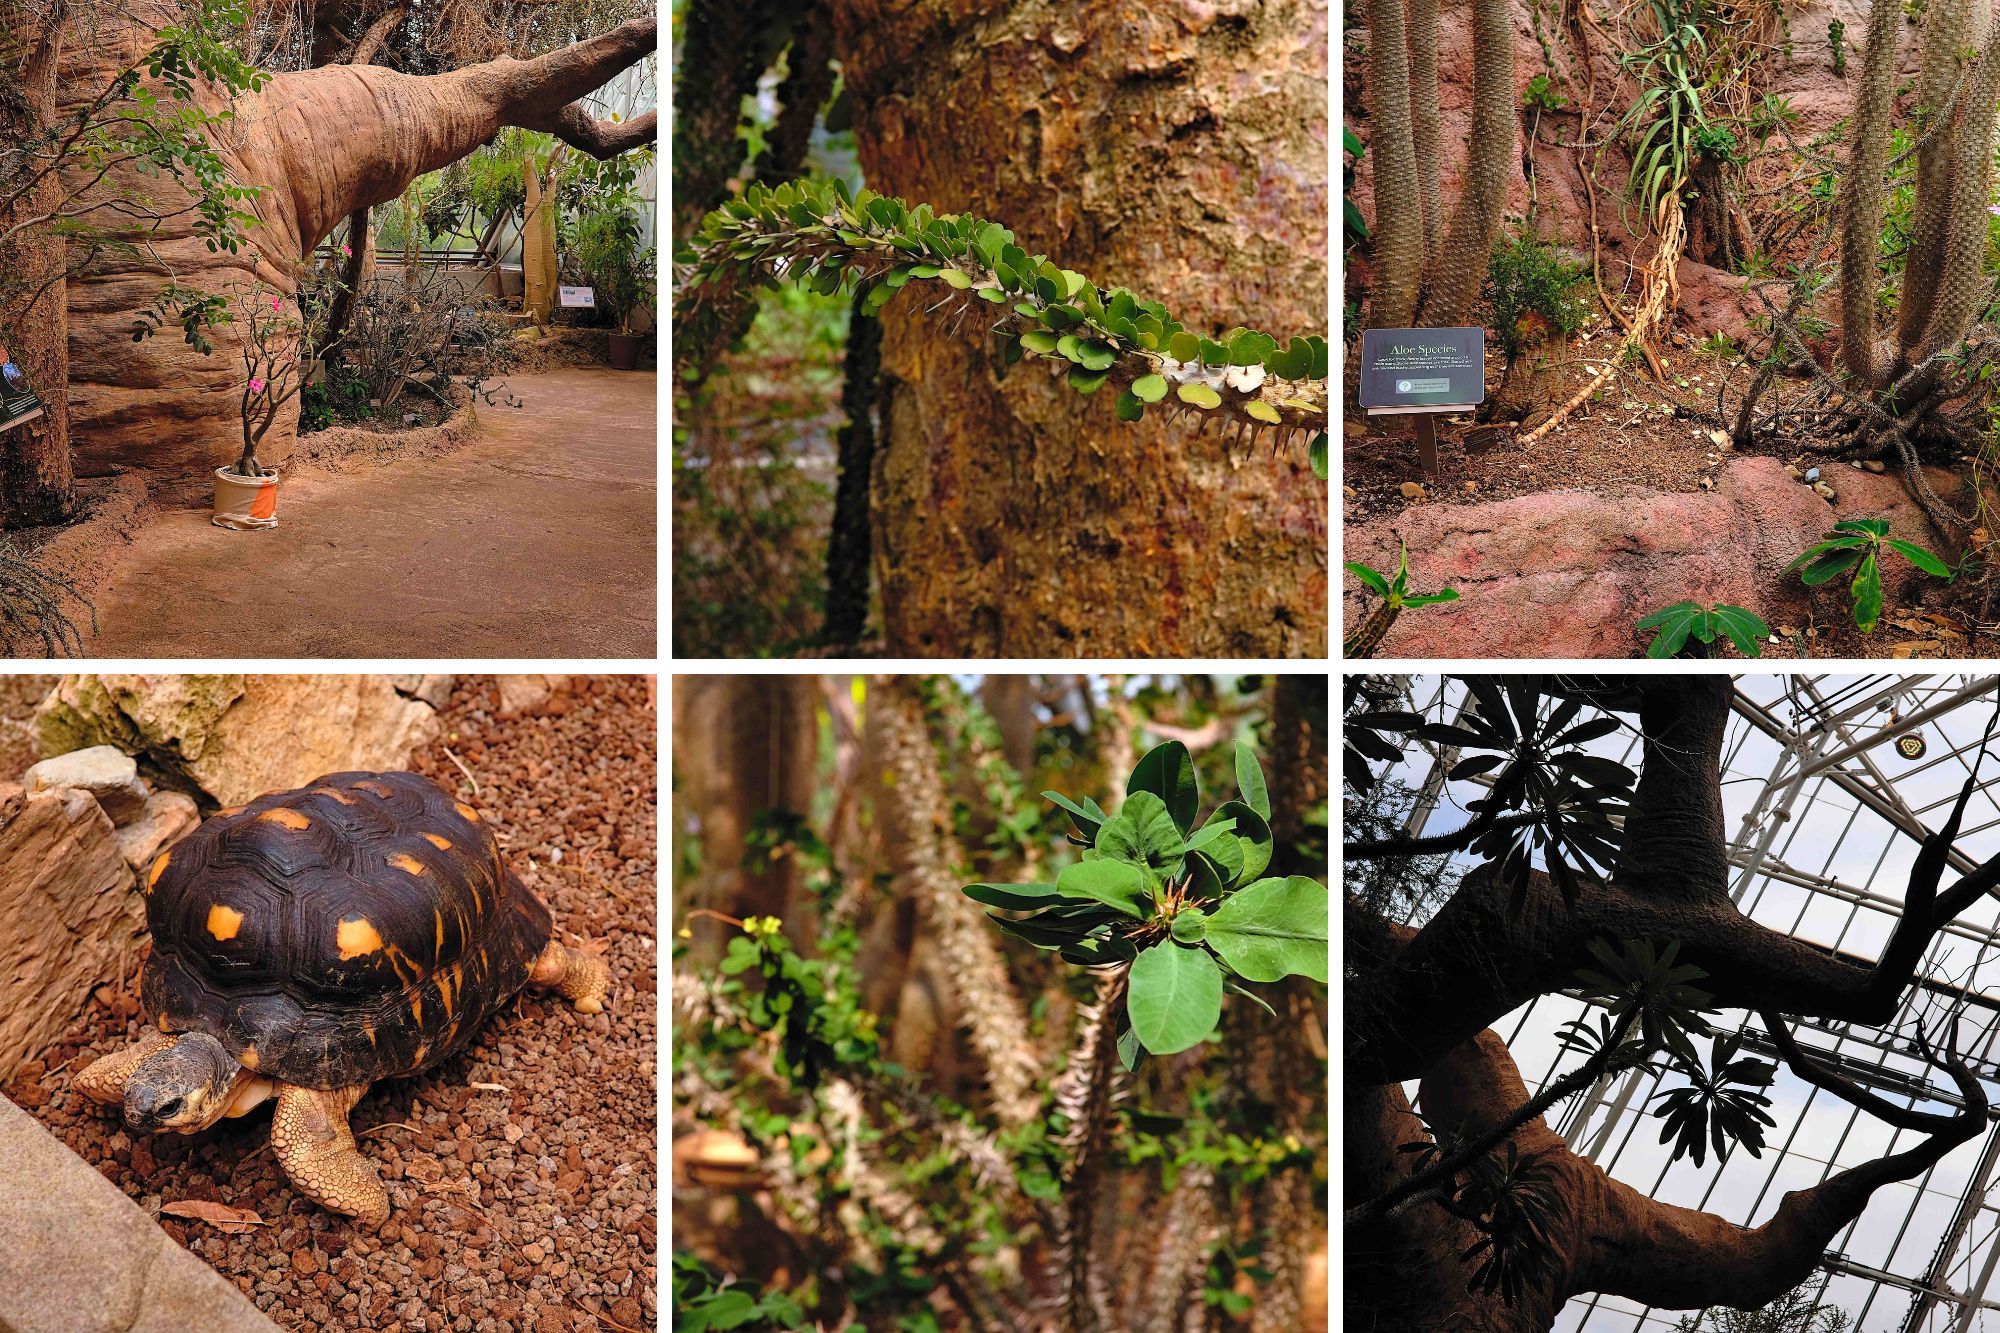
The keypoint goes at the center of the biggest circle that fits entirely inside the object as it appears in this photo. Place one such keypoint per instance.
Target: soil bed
(1637, 437)
(529, 1210)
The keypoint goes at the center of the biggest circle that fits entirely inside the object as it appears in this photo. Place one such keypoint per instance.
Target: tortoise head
(185, 1087)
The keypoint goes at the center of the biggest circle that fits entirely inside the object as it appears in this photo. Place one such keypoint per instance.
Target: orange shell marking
(291, 819)
(159, 869)
(224, 922)
(442, 844)
(249, 1057)
(470, 815)
(334, 793)
(408, 864)
(356, 935)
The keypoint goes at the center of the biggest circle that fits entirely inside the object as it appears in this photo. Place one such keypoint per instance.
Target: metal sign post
(1423, 373)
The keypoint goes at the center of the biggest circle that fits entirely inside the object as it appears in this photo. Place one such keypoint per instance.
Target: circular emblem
(1402, 386)
(1911, 745)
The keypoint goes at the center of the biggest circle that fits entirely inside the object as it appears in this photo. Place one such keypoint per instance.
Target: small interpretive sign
(18, 402)
(580, 297)
(1422, 370)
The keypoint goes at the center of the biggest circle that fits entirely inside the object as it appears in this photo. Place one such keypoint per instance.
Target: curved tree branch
(1474, 962)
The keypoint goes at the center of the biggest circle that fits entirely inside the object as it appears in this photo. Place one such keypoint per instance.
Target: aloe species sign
(1422, 370)
(1183, 901)
(18, 402)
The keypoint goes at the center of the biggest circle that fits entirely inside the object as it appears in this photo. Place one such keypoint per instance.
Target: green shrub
(1534, 292)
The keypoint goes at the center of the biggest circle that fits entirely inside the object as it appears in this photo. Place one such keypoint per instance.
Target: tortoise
(313, 941)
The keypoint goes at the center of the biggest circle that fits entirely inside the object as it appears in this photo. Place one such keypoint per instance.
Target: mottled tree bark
(1176, 150)
(36, 485)
(850, 541)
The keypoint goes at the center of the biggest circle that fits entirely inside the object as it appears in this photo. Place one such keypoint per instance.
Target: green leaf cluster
(1855, 546)
(1184, 902)
(830, 238)
(1687, 628)
(1395, 588)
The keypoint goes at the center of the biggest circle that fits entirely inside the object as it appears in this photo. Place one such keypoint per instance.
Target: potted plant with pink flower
(275, 334)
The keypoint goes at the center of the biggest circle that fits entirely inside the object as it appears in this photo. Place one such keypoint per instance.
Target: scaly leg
(103, 1079)
(310, 1136)
(582, 978)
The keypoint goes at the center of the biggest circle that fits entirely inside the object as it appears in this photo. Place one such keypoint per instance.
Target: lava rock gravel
(526, 1206)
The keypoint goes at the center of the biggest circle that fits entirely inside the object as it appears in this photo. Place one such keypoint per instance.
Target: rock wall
(77, 1256)
(1566, 573)
(224, 739)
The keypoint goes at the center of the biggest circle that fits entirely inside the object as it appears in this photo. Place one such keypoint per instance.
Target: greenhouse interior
(1782, 845)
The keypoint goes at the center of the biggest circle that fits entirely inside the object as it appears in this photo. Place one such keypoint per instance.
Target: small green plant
(1394, 592)
(1534, 293)
(1356, 224)
(704, 1300)
(1857, 544)
(1720, 346)
(1184, 904)
(1543, 95)
(1686, 629)
(1836, 35)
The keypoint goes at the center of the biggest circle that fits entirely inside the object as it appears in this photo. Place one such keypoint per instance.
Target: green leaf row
(822, 235)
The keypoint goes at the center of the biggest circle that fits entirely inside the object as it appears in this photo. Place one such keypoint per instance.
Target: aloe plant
(1857, 544)
(1183, 903)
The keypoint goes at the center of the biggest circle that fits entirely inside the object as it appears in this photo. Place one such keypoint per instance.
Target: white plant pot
(245, 503)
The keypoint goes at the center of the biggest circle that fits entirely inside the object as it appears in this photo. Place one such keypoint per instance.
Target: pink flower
(346, 253)
(257, 385)
(276, 304)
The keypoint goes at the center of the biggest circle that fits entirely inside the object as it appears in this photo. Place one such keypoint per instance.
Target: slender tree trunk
(849, 545)
(1176, 150)
(1452, 283)
(35, 479)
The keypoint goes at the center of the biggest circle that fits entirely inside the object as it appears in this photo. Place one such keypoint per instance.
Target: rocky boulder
(105, 771)
(1566, 573)
(77, 1256)
(224, 739)
(68, 919)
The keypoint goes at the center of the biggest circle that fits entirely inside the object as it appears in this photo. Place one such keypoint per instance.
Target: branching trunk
(1398, 231)
(319, 144)
(1419, 1002)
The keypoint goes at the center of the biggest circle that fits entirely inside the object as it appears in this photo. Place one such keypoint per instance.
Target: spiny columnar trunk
(1451, 286)
(1424, 118)
(1947, 26)
(1862, 197)
(1962, 282)
(320, 144)
(35, 479)
(914, 805)
(1398, 246)
(1177, 150)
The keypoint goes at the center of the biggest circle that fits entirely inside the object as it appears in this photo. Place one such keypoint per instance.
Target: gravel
(528, 1210)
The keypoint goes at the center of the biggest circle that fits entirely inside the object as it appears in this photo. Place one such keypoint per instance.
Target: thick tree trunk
(321, 144)
(1176, 150)
(35, 479)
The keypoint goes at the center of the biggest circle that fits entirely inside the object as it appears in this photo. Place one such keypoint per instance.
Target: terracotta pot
(624, 351)
(245, 503)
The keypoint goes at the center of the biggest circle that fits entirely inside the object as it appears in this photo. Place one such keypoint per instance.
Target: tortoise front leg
(582, 978)
(103, 1079)
(311, 1139)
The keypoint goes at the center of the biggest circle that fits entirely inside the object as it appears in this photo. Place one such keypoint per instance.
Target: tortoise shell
(362, 927)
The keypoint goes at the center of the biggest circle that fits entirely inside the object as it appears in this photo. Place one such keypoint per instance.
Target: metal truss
(1829, 800)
